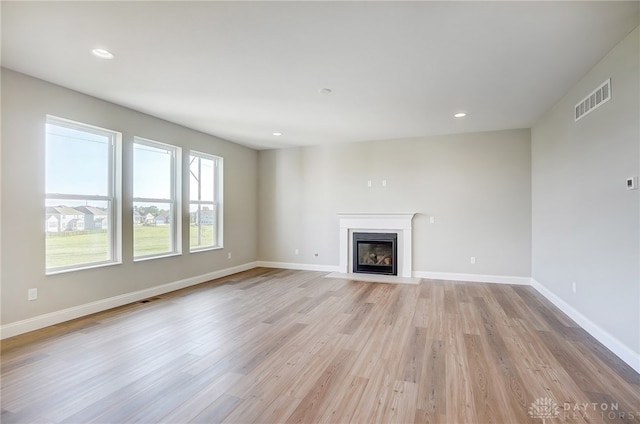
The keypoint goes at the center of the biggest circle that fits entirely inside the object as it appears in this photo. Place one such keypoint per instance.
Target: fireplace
(375, 253)
(379, 223)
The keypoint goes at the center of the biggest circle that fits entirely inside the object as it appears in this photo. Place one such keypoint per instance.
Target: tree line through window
(83, 201)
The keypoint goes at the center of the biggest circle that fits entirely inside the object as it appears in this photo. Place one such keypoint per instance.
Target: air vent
(595, 99)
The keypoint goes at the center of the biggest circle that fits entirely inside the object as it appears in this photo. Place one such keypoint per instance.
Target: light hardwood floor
(294, 347)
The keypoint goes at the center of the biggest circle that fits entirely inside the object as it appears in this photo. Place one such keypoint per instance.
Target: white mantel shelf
(402, 220)
(400, 223)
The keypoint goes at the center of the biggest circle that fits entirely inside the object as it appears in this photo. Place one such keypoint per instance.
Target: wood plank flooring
(281, 346)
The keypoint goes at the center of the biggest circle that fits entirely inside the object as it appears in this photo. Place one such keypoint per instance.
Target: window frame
(113, 197)
(174, 202)
(217, 202)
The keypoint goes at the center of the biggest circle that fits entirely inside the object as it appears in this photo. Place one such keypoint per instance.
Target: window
(156, 212)
(205, 206)
(82, 211)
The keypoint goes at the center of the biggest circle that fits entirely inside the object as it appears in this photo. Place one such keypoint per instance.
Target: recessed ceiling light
(325, 91)
(102, 53)
(460, 115)
(277, 134)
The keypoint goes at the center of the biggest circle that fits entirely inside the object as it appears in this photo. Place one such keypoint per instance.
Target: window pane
(78, 232)
(156, 190)
(206, 196)
(202, 179)
(202, 226)
(194, 177)
(152, 228)
(77, 161)
(207, 183)
(81, 197)
(151, 172)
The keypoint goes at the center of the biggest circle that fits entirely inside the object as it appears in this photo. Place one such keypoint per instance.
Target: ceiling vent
(594, 100)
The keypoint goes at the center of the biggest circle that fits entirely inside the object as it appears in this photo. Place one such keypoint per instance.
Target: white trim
(476, 278)
(621, 350)
(299, 267)
(42, 321)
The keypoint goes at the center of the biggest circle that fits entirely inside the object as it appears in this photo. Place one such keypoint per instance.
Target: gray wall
(585, 223)
(25, 104)
(476, 186)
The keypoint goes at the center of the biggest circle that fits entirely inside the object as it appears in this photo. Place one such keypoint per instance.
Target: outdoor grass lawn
(148, 240)
(206, 235)
(67, 250)
(64, 250)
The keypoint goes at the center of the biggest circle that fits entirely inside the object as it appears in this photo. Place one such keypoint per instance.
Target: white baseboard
(300, 267)
(42, 321)
(476, 278)
(621, 350)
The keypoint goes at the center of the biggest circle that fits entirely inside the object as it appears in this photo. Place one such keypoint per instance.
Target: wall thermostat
(632, 183)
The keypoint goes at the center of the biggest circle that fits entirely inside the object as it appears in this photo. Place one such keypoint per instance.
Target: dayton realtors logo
(546, 408)
(594, 410)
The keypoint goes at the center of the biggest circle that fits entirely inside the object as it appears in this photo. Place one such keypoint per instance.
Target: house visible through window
(156, 210)
(205, 206)
(81, 207)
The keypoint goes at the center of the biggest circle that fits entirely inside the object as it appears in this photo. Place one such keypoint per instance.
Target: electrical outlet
(369, 183)
(32, 294)
(384, 183)
(297, 252)
(432, 219)
(574, 287)
(473, 260)
(229, 255)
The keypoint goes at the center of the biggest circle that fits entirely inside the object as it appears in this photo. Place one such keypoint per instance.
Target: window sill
(81, 268)
(149, 258)
(206, 249)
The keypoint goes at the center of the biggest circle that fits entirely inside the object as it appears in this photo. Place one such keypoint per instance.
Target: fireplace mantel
(400, 223)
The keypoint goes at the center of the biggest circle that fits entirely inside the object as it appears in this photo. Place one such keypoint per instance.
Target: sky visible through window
(151, 172)
(77, 162)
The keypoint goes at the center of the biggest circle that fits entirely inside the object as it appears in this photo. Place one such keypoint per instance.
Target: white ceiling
(243, 70)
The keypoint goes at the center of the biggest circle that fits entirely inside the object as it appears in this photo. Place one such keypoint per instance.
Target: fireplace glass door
(375, 253)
